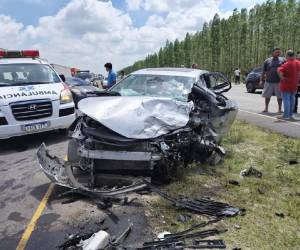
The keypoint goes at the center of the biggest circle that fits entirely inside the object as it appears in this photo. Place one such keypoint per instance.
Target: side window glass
(201, 81)
(213, 81)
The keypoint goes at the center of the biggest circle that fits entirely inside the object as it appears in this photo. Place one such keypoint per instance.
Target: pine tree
(243, 40)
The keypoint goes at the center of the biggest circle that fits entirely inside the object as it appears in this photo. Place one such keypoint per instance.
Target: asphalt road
(251, 107)
(22, 188)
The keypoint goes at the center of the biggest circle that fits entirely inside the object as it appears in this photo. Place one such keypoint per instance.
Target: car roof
(23, 60)
(170, 71)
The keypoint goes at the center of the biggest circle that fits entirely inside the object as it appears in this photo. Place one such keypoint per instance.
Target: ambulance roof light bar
(19, 53)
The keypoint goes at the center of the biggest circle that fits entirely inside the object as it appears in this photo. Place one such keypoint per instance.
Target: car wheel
(250, 87)
(73, 156)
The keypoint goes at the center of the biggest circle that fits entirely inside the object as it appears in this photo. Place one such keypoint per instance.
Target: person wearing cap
(272, 79)
(289, 74)
(111, 77)
(298, 90)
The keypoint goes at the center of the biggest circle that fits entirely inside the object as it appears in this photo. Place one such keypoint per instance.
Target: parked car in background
(80, 88)
(85, 75)
(253, 80)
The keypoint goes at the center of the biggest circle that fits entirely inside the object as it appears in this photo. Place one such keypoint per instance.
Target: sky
(88, 33)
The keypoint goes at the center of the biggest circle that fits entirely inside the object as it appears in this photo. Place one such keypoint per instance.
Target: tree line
(244, 40)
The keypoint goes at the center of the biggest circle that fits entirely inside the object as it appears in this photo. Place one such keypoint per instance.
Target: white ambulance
(33, 97)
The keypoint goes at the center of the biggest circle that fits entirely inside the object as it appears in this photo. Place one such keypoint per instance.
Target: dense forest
(243, 40)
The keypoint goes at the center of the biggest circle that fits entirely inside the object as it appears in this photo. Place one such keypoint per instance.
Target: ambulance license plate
(35, 126)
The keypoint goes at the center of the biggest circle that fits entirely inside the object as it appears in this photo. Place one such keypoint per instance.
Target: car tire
(250, 87)
(73, 156)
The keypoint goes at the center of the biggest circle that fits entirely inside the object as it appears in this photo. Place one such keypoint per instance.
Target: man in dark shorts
(272, 79)
(298, 92)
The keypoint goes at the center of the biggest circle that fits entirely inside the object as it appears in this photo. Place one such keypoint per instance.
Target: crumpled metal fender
(60, 172)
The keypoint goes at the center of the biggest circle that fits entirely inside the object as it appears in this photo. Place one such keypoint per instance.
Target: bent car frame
(149, 124)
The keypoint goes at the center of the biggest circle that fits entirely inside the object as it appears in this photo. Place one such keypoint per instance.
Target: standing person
(122, 75)
(111, 77)
(272, 79)
(289, 79)
(194, 66)
(237, 76)
(298, 90)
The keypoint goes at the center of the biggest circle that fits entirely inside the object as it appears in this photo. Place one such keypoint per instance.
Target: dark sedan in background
(253, 79)
(80, 88)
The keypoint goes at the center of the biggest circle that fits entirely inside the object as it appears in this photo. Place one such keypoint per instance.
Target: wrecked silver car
(149, 124)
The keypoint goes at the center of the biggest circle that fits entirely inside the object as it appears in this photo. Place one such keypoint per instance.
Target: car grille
(30, 110)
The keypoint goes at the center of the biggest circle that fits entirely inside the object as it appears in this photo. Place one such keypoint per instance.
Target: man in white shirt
(237, 75)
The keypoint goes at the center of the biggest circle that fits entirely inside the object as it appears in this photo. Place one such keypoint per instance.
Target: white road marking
(270, 117)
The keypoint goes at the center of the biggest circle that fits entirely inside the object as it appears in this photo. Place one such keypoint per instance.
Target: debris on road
(162, 235)
(251, 172)
(183, 217)
(281, 215)
(74, 240)
(234, 182)
(99, 240)
(178, 245)
(293, 162)
(261, 190)
(116, 242)
(187, 239)
(94, 241)
(202, 206)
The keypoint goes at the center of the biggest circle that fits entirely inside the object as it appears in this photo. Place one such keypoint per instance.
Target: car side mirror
(62, 77)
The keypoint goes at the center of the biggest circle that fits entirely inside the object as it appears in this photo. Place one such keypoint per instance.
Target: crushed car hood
(137, 117)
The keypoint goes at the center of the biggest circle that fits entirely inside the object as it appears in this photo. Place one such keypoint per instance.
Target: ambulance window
(23, 74)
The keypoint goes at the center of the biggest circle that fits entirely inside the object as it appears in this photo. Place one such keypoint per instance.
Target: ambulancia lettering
(31, 93)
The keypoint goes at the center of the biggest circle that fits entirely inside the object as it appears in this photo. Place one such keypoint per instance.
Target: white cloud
(11, 31)
(134, 4)
(88, 33)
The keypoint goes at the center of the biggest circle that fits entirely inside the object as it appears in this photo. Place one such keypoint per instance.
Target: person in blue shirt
(111, 77)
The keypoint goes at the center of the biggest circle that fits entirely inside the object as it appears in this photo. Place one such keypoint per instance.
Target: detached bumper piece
(196, 244)
(189, 239)
(60, 172)
(201, 206)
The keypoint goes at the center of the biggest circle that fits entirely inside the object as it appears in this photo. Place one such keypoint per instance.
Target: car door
(224, 112)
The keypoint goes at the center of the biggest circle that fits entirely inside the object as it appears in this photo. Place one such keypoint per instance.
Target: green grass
(260, 228)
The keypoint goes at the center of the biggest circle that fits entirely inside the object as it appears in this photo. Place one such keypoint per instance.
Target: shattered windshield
(28, 73)
(176, 87)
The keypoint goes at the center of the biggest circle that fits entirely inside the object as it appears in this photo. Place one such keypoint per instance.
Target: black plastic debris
(281, 215)
(208, 244)
(202, 206)
(293, 162)
(74, 240)
(122, 237)
(195, 244)
(251, 172)
(234, 182)
(189, 238)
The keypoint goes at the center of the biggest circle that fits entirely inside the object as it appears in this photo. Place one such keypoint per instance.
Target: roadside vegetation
(242, 40)
(272, 202)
